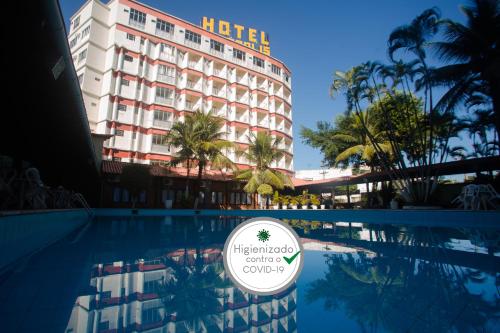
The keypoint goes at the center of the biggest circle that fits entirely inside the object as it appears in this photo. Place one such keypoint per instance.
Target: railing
(163, 124)
(216, 53)
(192, 85)
(136, 24)
(166, 78)
(192, 44)
(167, 57)
(193, 64)
(165, 34)
(164, 100)
(79, 198)
(241, 99)
(191, 106)
(162, 149)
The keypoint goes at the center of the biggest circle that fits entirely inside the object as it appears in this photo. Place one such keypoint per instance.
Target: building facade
(141, 70)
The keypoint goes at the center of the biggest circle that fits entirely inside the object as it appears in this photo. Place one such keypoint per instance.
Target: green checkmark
(292, 258)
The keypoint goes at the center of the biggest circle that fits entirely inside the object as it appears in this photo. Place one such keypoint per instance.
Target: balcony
(190, 106)
(164, 100)
(216, 53)
(162, 124)
(219, 72)
(161, 149)
(167, 56)
(220, 92)
(166, 79)
(164, 34)
(193, 65)
(192, 85)
(192, 44)
(241, 99)
(136, 24)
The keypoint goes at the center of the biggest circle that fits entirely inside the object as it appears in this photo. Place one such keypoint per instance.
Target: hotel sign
(250, 37)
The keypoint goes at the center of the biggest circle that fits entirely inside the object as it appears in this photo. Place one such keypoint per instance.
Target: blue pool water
(165, 274)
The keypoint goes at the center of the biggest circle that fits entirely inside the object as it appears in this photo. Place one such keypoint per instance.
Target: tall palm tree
(473, 49)
(209, 145)
(182, 136)
(200, 141)
(263, 151)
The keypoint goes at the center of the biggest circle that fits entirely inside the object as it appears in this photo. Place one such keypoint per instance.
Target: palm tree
(473, 49)
(209, 145)
(200, 141)
(360, 145)
(182, 135)
(262, 152)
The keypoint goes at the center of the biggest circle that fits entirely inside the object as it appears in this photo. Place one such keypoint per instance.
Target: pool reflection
(165, 274)
(183, 290)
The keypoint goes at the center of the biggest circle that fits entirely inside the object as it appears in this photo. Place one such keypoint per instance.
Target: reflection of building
(141, 70)
(125, 298)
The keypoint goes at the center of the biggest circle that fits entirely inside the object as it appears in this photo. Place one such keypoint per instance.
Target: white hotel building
(141, 70)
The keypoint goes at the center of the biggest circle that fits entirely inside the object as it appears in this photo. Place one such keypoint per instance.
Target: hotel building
(141, 70)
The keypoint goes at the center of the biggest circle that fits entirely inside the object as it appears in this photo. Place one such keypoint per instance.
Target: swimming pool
(114, 275)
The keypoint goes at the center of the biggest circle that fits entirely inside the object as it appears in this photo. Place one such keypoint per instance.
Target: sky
(314, 38)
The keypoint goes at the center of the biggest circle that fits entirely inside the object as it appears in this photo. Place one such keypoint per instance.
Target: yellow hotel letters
(249, 37)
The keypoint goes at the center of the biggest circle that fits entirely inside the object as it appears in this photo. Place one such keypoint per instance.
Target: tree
(360, 145)
(473, 52)
(209, 144)
(135, 178)
(182, 136)
(263, 151)
(201, 141)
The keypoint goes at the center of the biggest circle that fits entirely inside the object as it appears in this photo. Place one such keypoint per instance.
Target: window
(163, 26)
(162, 115)
(143, 40)
(130, 37)
(117, 159)
(119, 132)
(82, 55)
(85, 32)
(166, 70)
(151, 286)
(73, 42)
(122, 107)
(125, 82)
(134, 135)
(167, 49)
(137, 18)
(258, 62)
(159, 139)
(193, 37)
(216, 46)
(128, 58)
(287, 77)
(117, 193)
(151, 316)
(163, 92)
(76, 22)
(238, 54)
(275, 69)
(80, 79)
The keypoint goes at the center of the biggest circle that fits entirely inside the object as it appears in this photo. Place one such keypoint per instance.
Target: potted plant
(284, 202)
(304, 201)
(293, 202)
(314, 201)
(276, 200)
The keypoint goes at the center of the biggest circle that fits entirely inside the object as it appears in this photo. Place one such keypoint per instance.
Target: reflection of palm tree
(404, 293)
(194, 292)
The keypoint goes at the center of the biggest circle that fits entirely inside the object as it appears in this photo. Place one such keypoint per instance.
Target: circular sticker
(263, 256)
